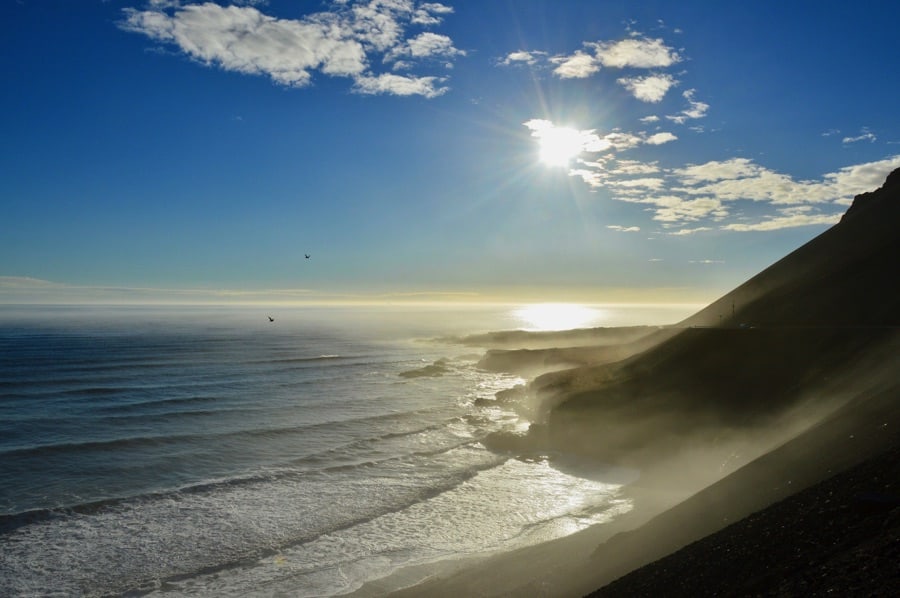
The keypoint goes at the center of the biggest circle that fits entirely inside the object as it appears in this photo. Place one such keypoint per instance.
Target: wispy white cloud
(522, 57)
(709, 194)
(636, 53)
(735, 194)
(864, 135)
(696, 109)
(672, 208)
(430, 13)
(427, 45)
(633, 167)
(789, 221)
(660, 138)
(689, 231)
(341, 43)
(577, 66)
(624, 229)
(717, 170)
(652, 88)
(388, 83)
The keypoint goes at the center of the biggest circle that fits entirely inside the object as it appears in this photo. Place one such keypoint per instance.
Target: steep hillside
(808, 334)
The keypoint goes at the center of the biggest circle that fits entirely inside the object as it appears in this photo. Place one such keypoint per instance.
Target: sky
(524, 150)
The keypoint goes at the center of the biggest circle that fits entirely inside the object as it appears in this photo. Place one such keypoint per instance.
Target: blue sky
(473, 150)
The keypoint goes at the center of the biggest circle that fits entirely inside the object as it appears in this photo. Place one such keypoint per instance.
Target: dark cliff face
(812, 327)
(864, 201)
(845, 276)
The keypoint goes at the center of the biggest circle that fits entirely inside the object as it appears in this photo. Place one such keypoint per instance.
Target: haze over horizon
(180, 151)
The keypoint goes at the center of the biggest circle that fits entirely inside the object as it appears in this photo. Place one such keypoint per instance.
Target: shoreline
(558, 563)
(665, 526)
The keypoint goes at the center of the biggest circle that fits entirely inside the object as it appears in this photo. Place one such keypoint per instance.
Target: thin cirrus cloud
(735, 194)
(864, 135)
(340, 43)
(714, 195)
(717, 194)
(695, 109)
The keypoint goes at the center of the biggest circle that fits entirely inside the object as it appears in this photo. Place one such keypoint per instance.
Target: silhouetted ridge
(811, 329)
(884, 193)
(843, 277)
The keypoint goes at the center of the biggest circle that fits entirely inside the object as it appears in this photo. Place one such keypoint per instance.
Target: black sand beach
(765, 428)
(840, 537)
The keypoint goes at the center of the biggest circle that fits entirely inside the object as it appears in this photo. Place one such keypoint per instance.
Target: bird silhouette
(271, 319)
(307, 255)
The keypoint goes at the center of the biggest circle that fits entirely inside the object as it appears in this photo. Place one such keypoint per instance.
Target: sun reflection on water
(557, 316)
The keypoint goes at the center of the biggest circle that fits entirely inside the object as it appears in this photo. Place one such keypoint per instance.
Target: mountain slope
(803, 332)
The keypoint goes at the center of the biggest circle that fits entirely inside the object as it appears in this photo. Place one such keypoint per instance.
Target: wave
(207, 543)
(302, 359)
(391, 447)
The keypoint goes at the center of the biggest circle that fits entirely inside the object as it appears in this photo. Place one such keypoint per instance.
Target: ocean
(196, 451)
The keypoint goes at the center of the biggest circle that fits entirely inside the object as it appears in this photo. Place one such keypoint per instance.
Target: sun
(560, 145)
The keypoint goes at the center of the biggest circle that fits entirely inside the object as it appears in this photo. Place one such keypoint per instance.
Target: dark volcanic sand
(840, 537)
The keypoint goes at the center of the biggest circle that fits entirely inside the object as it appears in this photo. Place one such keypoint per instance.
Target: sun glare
(556, 316)
(560, 145)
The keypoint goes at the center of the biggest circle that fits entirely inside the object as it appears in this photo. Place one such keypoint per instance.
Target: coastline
(665, 526)
(558, 567)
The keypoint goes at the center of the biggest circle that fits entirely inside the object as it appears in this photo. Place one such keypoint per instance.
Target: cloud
(576, 66)
(865, 135)
(636, 53)
(624, 229)
(732, 194)
(644, 184)
(631, 167)
(660, 138)
(640, 53)
(707, 262)
(859, 178)
(689, 231)
(341, 43)
(789, 221)
(24, 282)
(587, 140)
(717, 171)
(695, 109)
(430, 13)
(427, 45)
(711, 192)
(652, 88)
(522, 57)
(399, 85)
(671, 208)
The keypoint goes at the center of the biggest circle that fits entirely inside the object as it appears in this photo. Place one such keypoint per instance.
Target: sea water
(212, 452)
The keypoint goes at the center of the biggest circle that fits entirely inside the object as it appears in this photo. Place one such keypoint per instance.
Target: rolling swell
(136, 459)
(223, 546)
(392, 438)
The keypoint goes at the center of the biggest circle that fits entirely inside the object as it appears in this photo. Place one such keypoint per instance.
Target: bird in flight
(307, 255)
(271, 319)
